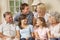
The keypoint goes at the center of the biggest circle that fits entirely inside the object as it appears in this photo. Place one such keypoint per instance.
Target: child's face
(39, 22)
(24, 21)
(52, 20)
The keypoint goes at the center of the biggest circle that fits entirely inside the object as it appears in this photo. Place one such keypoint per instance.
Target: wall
(53, 5)
(4, 7)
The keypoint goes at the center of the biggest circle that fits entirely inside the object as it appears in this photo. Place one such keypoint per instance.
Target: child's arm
(17, 35)
(36, 35)
(49, 35)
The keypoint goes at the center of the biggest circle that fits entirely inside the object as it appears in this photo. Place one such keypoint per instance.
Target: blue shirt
(29, 17)
(26, 32)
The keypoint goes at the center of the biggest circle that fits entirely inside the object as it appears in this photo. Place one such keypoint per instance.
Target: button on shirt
(8, 29)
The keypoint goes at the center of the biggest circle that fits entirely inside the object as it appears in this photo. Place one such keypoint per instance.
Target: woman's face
(52, 20)
(24, 21)
(41, 10)
(39, 22)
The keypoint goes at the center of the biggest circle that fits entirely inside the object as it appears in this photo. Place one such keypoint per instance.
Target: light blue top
(26, 33)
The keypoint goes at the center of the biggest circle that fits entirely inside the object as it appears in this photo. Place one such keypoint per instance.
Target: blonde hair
(42, 6)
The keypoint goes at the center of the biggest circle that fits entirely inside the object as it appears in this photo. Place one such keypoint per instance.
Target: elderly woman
(54, 26)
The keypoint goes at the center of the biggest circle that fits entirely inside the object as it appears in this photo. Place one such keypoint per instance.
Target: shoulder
(47, 29)
(31, 13)
(30, 25)
(58, 25)
(17, 28)
(3, 24)
(47, 14)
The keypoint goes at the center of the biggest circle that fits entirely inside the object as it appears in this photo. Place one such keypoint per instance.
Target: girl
(42, 30)
(26, 31)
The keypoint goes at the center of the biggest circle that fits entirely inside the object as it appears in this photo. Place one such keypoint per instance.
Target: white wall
(4, 7)
(53, 5)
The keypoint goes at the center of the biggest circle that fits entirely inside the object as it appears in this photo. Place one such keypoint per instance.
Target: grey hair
(56, 15)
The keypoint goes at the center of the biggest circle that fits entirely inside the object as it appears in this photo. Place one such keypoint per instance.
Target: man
(25, 11)
(8, 30)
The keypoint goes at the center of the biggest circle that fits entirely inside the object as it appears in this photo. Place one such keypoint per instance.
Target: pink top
(42, 32)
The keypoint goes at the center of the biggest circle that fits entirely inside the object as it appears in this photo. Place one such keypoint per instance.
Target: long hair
(43, 20)
(22, 17)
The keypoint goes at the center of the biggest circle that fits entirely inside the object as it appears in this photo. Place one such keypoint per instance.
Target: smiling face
(24, 21)
(52, 20)
(39, 22)
(9, 18)
(25, 10)
(41, 9)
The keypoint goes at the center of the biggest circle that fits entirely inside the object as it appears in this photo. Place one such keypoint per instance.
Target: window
(15, 5)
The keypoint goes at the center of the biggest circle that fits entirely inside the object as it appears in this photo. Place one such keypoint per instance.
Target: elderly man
(8, 30)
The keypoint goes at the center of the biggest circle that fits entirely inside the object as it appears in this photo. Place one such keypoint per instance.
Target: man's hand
(5, 37)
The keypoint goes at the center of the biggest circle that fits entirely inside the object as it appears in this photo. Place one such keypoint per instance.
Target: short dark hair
(23, 6)
(6, 13)
(22, 17)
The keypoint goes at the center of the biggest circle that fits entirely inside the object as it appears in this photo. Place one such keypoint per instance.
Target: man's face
(9, 18)
(25, 10)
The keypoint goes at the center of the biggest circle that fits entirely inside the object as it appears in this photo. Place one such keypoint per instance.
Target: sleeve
(16, 17)
(31, 28)
(1, 28)
(17, 28)
(31, 14)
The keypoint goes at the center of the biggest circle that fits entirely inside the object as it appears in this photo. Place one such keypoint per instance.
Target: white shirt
(55, 30)
(45, 17)
(8, 29)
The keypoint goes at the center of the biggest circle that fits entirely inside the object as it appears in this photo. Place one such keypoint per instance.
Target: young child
(54, 27)
(42, 30)
(26, 31)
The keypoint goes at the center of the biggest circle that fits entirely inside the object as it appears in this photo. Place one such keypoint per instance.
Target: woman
(41, 11)
(26, 31)
(54, 27)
